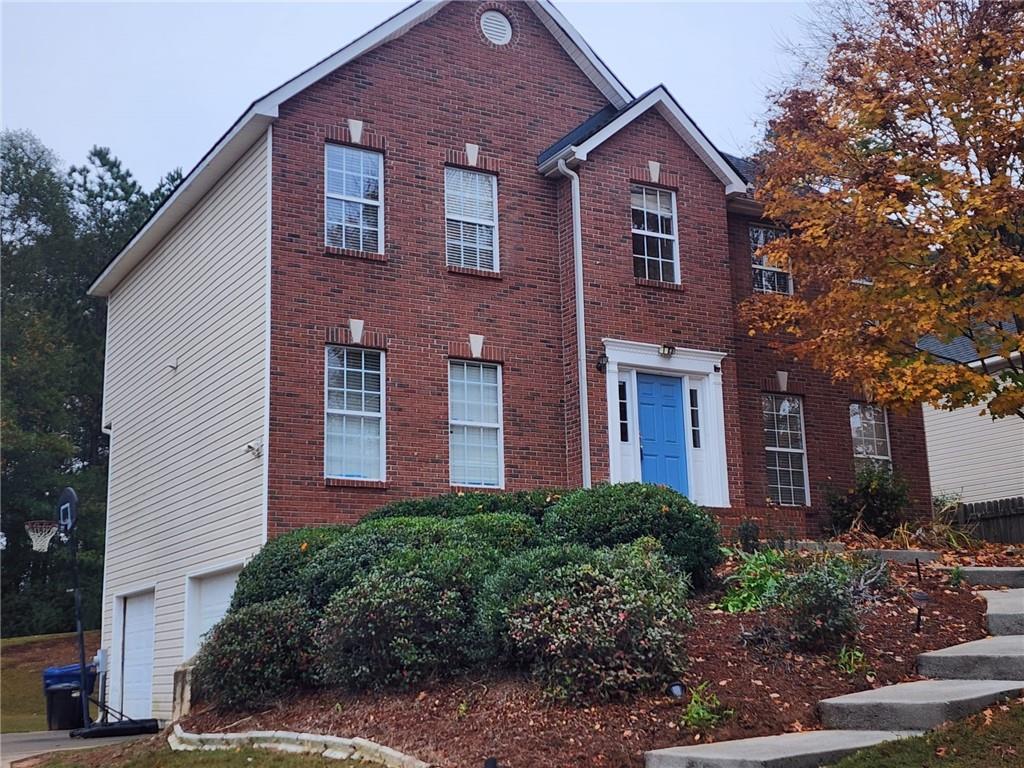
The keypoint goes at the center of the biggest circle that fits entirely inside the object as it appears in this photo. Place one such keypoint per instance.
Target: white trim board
(262, 112)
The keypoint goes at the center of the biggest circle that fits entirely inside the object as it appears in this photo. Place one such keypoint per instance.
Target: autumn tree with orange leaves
(897, 173)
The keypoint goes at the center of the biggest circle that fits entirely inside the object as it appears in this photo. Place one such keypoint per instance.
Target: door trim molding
(644, 357)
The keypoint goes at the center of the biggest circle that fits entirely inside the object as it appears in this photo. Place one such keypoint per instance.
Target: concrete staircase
(967, 679)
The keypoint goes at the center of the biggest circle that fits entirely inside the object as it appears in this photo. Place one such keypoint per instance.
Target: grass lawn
(22, 660)
(166, 758)
(993, 740)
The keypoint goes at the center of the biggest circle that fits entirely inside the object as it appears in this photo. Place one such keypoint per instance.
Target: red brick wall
(425, 94)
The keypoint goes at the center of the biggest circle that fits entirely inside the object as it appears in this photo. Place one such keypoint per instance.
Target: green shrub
(409, 618)
(276, 570)
(337, 566)
(255, 654)
(531, 503)
(820, 606)
(748, 535)
(604, 628)
(703, 711)
(617, 514)
(756, 583)
(515, 577)
(877, 502)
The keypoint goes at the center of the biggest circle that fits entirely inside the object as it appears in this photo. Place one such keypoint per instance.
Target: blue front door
(662, 434)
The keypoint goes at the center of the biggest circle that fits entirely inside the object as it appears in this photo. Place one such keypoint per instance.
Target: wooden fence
(1000, 521)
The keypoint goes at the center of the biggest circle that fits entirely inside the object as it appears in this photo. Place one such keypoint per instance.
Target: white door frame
(697, 368)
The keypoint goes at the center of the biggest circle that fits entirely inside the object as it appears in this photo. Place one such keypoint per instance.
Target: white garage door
(209, 601)
(137, 656)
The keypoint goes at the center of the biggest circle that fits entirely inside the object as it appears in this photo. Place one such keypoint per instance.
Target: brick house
(407, 271)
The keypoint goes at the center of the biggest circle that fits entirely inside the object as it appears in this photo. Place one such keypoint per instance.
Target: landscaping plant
(748, 536)
(851, 660)
(531, 503)
(255, 655)
(608, 515)
(756, 583)
(820, 606)
(877, 502)
(703, 711)
(600, 629)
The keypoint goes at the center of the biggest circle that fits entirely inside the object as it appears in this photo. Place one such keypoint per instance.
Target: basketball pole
(82, 695)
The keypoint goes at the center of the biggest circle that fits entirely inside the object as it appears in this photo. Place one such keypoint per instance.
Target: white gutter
(581, 333)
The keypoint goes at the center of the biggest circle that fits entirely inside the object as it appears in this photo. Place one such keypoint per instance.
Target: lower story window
(474, 424)
(354, 414)
(786, 458)
(870, 433)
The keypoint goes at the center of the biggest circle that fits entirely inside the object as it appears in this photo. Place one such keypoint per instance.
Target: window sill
(456, 270)
(476, 489)
(645, 283)
(351, 482)
(332, 251)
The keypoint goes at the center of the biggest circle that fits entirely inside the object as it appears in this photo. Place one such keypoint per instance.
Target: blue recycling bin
(63, 697)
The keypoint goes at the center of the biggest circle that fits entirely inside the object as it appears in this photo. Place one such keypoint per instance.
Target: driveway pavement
(17, 746)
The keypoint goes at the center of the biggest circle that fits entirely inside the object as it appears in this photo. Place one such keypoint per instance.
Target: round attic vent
(496, 27)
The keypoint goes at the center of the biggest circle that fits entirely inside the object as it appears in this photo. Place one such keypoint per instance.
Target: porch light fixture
(602, 363)
(667, 350)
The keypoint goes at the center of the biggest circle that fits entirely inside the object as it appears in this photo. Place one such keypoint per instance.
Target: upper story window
(655, 245)
(870, 430)
(475, 443)
(354, 191)
(471, 219)
(354, 414)
(785, 453)
(768, 278)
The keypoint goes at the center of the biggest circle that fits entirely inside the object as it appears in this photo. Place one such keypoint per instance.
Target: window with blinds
(354, 414)
(475, 443)
(353, 191)
(869, 428)
(471, 219)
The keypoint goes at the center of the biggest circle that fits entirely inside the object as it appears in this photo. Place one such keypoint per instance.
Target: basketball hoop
(41, 531)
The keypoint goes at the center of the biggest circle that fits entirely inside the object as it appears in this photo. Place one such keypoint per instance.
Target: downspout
(581, 334)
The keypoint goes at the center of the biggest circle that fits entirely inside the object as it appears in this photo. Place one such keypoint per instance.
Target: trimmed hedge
(608, 515)
(276, 569)
(255, 655)
(531, 503)
(603, 628)
(340, 564)
(409, 618)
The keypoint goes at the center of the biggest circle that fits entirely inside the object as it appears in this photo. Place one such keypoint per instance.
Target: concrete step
(1004, 576)
(1005, 615)
(790, 750)
(994, 658)
(901, 555)
(916, 706)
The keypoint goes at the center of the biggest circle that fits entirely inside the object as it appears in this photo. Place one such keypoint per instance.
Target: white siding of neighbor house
(184, 494)
(971, 454)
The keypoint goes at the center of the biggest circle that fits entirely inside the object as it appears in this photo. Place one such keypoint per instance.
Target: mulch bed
(770, 690)
(979, 553)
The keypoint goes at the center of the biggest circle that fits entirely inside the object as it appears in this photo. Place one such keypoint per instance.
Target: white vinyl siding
(768, 278)
(471, 219)
(869, 427)
(475, 428)
(354, 191)
(785, 454)
(972, 455)
(184, 394)
(354, 413)
(655, 243)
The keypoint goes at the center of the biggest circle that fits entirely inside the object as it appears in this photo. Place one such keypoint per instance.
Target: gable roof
(574, 147)
(262, 113)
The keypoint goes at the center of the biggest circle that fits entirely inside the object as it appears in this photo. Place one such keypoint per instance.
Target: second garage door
(137, 656)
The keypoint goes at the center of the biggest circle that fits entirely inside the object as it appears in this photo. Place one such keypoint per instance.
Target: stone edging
(330, 747)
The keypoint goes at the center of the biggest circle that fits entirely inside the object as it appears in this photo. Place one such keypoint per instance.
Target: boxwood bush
(255, 654)
(338, 565)
(531, 503)
(276, 570)
(617, 514)
(409, 618)
(604, 628)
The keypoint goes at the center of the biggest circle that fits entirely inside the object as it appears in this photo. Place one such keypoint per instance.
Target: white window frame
(762, 267)
(354, 199)
(674, 238)
(801, 451)
(473, 220)
(382, 477)
(874, 458)
(501, 424)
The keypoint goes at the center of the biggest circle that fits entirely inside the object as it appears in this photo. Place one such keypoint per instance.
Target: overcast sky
(158, 83)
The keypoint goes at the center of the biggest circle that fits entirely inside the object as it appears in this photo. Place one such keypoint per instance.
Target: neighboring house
(971, 454)
(457, 254)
